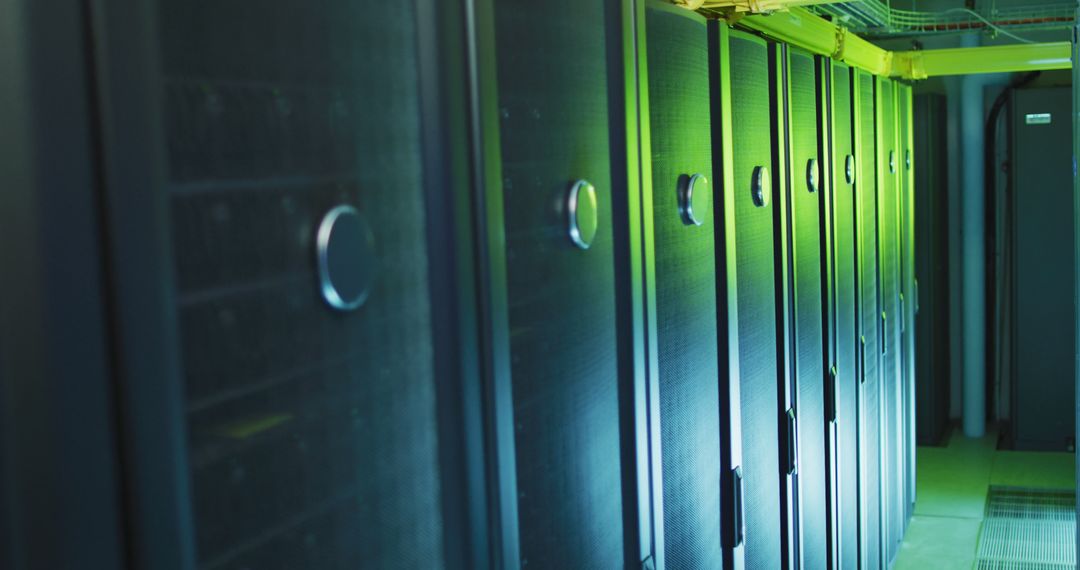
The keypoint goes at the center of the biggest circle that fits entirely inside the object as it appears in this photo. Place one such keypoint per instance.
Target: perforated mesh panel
(751, 122)
(553, 104)
(871, 315)
(846, 325)
(889, 271)
(806, 234)
(312, 433)
(1028, 529)
(679, 116)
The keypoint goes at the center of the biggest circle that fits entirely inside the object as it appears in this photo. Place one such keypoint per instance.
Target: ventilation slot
(1028, 529)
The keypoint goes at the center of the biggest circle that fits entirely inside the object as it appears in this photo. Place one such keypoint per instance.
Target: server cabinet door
(842, 198)
(60, 492)
(557, 112)
(870, 316)
(931, 270)
(684, 229)
(908, 293)
(302, 272)
(889, 287)
(1043, 389)
(753, 128)
(804, 236)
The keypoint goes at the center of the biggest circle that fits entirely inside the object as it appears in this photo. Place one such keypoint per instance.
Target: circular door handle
(761, 186)
(582, 213)
(849, 169)
(907, 159)
(694, 199)
(892, 161)
(812, 175)
(345, 258)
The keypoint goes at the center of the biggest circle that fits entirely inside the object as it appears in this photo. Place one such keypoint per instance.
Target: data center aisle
(952, 485)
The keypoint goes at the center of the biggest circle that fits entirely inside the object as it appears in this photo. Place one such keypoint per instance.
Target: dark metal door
(753, 128)
(843, 179)
(1044, 389)
(870, 317)
(282, 238)
(931, 270)
(804, 235)
(908, 294)
(683, 191)
(557, 97)
(889, 275)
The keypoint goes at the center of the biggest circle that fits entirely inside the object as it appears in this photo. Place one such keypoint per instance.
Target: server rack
(685, 230)
(888, 274)
(1042, 418)
(753, 156)
(803, 233)
(57, 409)
(870, 454)
(226, 144)
(557, 98)
(909, 296)
(931, 271)
(842, 197)
(729, 352)
(152, 128)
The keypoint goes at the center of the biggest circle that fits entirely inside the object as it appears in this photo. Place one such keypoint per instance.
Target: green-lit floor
(951, 487)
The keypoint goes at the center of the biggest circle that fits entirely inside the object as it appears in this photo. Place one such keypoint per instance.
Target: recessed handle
(694, 199)
(832, 398)
(346, 264)
(849, 169)
(862, 359)
(737, 536)
(812, 175)
(582, 213)
(792, 443)
(761, 186)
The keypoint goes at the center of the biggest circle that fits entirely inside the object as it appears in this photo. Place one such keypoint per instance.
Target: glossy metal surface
(760, 186)
(813, 175)
(582, 213)
(695, 198)
(849, 169)
(345, 251)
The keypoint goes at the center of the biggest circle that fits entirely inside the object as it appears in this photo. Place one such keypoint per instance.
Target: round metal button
(582, 213)
(892, 161)
(812, 173)
(761, 186)
(849, 169)
(907, 159)
(694, 198)
(345, 255)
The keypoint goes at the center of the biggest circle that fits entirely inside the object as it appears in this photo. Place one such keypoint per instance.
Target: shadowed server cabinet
(447, 284)
(931, 270)
(278, 234)
(803, 236)
(889, 290)
(909, 293)
(844, 181)
(753, 116)
(554, 98)
(1043, 391)
(871, 408)
(684, 232)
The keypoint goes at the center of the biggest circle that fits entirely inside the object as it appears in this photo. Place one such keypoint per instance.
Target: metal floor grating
(1028, 529)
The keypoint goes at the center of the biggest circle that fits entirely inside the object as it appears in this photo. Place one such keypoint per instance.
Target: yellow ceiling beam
(986, 59)
(800, 27)
(750, 6)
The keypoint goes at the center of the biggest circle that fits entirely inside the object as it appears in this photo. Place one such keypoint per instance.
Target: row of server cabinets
(621, 287)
